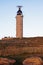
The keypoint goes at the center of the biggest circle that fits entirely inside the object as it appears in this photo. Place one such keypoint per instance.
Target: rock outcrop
(32, 61)
(5, 61)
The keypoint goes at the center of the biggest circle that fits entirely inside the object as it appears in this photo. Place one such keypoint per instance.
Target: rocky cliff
(21, 48)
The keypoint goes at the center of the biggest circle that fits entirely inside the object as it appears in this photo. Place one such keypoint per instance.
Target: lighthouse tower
(19, 23)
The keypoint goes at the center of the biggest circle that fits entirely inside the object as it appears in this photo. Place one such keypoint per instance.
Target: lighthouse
(19, 23)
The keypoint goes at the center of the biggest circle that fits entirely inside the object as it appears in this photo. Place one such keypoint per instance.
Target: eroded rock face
(32, 61)
(5, 61)
(11, 61)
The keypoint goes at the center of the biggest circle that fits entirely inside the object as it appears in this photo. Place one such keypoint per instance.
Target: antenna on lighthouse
(19, 7)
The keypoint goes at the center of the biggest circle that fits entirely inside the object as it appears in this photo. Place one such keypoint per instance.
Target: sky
(32, 17)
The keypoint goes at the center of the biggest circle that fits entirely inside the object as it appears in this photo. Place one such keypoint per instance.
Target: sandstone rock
(11, 61)
(32, 61)
(5, 61)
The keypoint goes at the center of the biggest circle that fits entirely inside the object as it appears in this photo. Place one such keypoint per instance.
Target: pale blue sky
(32, 21)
